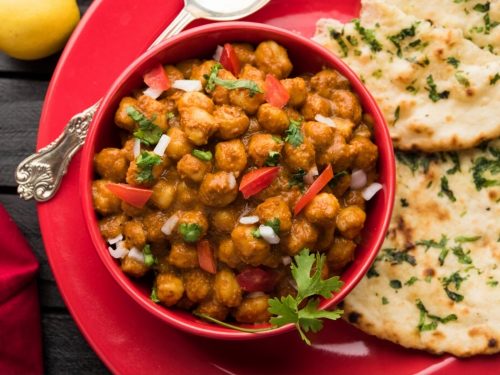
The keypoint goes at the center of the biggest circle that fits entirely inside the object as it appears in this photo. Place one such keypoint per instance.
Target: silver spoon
(39, 175)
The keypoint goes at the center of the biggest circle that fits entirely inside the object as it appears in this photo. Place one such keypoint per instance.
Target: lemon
(33, 29)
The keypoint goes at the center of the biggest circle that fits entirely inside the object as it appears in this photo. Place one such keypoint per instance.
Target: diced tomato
(314, 189)
(229, 59)
(136, 197)
(275, 92)
(256, 280)
(157, 79)
(206, 257)
(257, 180)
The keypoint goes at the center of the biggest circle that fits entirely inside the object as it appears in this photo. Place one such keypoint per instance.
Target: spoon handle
(39, 175)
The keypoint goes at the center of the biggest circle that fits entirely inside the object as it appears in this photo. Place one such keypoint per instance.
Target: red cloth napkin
(20, 333)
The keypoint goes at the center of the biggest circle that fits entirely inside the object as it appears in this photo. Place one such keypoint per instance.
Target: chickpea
(344, 127)
(350, 221)
(128, 149)
(354, 198)
(105, 202)
(173, 73)
(212, 307)
(163, 194)
(183, 255)
(325, 238)
(198, 125)
(297, 89)
(111, 164)
(152, 223)
(232, 121)
(223, 220)
(154, 110)
(195, 99)
(272, 119)
(275, 208)
(192, 168)
(179, 144)
(302, 234)
(363, 130)
(112, 226)
(230, 156)
(133, 267)
(122, 119)
(248, 101)
(169, 288)
(322, 209)
(186, 67)
(272, 58)
(341, 185)
(326, 81)
(135, 234)
(300, 157)
(261, 145)
(226, 252)
(319, 134)
(339, 154)
(346, 105)
(218, 189)
(245, 53)
(133, 211)
(226, 287)
(251, 250)
(365, 153)
(220, 94)
(252, 73)
(188, 218)
(198, 284)
(341, 253)
(199, 71)
(316, 105)
(253, 310)
(187, 194)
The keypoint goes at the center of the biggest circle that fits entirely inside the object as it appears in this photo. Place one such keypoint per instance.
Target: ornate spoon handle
(39, 175)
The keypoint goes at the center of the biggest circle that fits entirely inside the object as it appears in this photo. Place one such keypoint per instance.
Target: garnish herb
(464, 239)
(456, 163)
(148, 133)
(352, 40)
(336, 178)
(170, 115)
(306, 317)
(277, 139)
(434, 319)
(482, 7)
(494, 79)
(411, 89)
(436, 245)
(340, 40)
(483, 165)
(297, 179)
(273, 159)
(453, 61)
(396, 39)
(462, 256)
(153, 295)
(396, 115)
(395, 284)
(190, 232)
(256, 233)
(415, 160)
(404, 202)
(368, 36)
(445, 189)
(385, 301)
(294, 134)
(412, 280)
(275, 224)
(456, 279)
(395, 256)
(149, 258)
(462, 79)
(491, 282)
(434, 95)
(213, 80)
(202, 155)
(372, 272)
(146, 161)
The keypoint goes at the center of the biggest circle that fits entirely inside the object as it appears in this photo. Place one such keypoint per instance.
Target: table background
(22, 90)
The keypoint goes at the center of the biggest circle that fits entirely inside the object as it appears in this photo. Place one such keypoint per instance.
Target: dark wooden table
(22, 91)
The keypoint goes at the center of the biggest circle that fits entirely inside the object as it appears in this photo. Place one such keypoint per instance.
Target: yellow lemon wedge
(33, 29)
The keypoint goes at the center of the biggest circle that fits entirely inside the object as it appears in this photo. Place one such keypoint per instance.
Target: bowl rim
(386, 159)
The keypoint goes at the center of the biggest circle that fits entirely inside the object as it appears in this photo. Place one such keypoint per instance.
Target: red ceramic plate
(127, 338)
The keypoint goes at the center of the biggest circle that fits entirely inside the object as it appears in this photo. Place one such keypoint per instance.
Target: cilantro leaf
(425, 316)
(294, 134)
(229, 84)
(481, 167)
(202, 155)
(434, 95)
(445, 190)
(191, 232)
(453, 61)
(145, 162)
(285, 310)
(396, 39)
(368, 36)
(149, 258)
(148, 133)
(297, 179)
(273, 159)
(482, 7)
(340, 40)
(153, 295)
(495, 78)
(275, 224)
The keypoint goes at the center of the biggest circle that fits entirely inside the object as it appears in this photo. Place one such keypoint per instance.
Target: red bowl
(306, 56)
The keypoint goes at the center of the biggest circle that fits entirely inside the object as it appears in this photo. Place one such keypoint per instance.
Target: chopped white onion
(169, 225)
(137, 147)
(358, 179)
(116, 239)
(153, 93)
(135, 254)
(286, 260)
(120, 252)
(218, 53)
(255, 294)
(162, 145)
(268, 234)
(249, 219)
(232, 181)
(325, 120)
(188, 85)
(371, 190)
(309, 177)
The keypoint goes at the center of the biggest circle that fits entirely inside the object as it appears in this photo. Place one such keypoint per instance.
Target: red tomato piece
(314, 189)
(136, 197)
(229, 59)
(206, 257)
(275, 92)
(157, 79)
(256, 280)
(257, 180)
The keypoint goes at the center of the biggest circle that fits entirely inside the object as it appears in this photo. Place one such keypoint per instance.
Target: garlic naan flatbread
(435, 284)
(437, 90)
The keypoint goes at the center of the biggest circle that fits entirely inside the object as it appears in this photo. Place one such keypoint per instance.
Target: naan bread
(443, 250)
(437, 90)
(478, 19)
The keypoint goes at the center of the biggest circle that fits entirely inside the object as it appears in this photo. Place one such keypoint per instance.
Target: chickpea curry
(227, 169)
